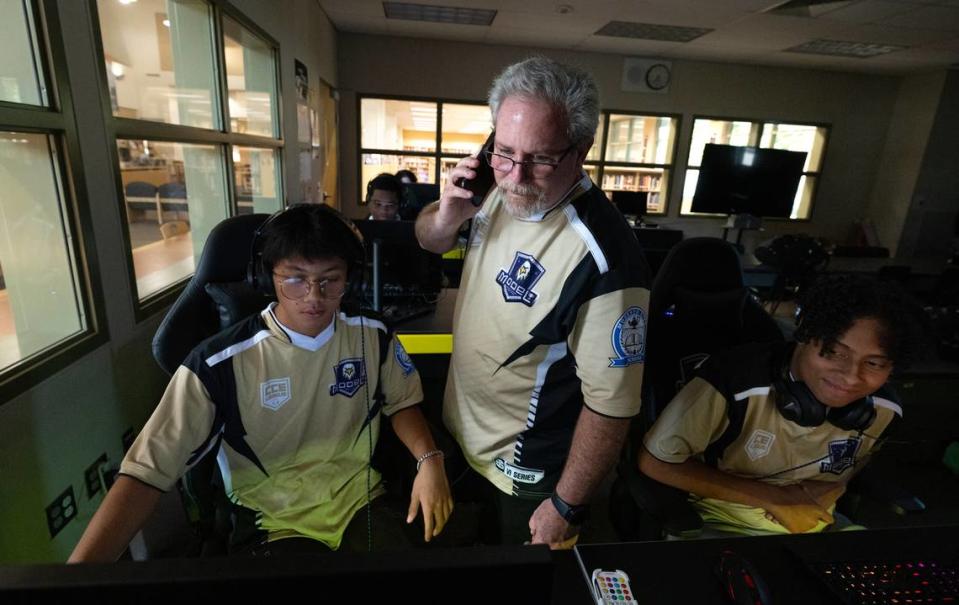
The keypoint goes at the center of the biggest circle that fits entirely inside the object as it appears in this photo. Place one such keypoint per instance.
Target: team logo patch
(403, 359)
(350, 375)
(517, 283)
(759, 444)
(274, 393)
(518, 473)
(629, 338)
(842, 455)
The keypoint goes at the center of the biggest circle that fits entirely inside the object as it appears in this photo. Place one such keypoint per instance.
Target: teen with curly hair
(767, 436)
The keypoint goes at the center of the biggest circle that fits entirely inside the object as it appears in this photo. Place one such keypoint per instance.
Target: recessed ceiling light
(438, 14)
(652, 31)
(125, 2)
(841, 48)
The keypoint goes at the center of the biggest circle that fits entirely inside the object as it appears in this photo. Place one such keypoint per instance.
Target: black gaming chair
(698, 305)
(215, 298)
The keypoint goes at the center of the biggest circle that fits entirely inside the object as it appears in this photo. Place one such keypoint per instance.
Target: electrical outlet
(91, 476)
(61, 511)
(128, 437)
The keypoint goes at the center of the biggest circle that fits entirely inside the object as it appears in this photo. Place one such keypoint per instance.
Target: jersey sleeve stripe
(237, 348)
(886, 403)
(751, 392)
(583, 231)
(362, 321)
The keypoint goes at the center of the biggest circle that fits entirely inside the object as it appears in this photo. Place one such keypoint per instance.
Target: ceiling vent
(807, 8)
(840, 48)
(438, 14)
(652, 31)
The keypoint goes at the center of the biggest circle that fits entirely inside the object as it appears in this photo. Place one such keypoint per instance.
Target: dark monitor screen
(630, 203)
(748, 180)
(415, 197)
(405, 269)
(425, 192)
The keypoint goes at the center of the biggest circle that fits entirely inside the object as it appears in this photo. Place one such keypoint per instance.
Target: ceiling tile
(868, 11)
(927, 17)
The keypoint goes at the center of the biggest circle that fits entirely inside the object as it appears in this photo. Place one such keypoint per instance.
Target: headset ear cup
(264, 278)
(798, 404)
(857, 416)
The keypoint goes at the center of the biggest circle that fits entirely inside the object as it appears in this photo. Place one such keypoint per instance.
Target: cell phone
(483, 181)
(612, 588)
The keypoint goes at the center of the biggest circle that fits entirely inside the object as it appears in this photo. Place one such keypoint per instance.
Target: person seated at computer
(291, 397)
(383, 194)
(767, 436)
(407, 177)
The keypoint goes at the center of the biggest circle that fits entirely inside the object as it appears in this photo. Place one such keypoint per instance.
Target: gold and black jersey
(290, 417)
(551, 316)
(727, 417)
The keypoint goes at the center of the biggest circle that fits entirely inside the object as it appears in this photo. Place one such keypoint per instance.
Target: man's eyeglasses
(297, 288)
(538, 169)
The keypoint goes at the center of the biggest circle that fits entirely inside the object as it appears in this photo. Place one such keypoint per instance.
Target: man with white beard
(549, 326)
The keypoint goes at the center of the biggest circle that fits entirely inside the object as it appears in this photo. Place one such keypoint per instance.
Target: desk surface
(683, 571)
(431, 334)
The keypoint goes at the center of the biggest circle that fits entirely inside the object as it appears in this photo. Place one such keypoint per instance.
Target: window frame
(129, 128)
(601, 164)
(761, 123)
(436, 155)
(57, 120)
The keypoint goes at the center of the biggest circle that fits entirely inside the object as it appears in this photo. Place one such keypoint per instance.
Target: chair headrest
(194, 317)
(703, 264)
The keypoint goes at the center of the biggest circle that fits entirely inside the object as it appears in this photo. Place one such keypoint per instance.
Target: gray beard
(527, 208)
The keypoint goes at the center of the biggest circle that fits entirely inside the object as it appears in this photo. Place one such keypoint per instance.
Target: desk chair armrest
(667, 505)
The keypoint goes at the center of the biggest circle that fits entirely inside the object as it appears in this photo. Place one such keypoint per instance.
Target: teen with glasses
(291, 398)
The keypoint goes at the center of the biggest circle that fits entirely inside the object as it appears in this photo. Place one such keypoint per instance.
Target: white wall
(909, 126)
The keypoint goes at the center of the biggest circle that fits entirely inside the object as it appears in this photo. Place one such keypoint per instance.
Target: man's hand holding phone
(470, 181)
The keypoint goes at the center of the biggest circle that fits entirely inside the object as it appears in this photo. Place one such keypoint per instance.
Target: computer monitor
(399, 271)
(416, 197)
(630, 203)
(425, 192)
(748, 180)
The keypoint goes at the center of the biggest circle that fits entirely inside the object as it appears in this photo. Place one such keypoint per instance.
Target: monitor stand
(377, 278)
(741, 222)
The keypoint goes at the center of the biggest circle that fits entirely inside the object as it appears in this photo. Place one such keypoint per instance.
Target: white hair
(569, 89)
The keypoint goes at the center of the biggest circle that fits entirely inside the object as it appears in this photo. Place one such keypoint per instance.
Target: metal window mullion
(219, 66)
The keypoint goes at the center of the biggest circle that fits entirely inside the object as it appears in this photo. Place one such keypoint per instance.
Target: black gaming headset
(335, 226)
(797, 403)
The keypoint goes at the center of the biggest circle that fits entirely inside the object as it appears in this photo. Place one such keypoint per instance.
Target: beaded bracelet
(425, 456)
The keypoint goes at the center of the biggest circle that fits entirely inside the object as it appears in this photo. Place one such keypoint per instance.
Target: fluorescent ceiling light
(652, 31)
(840, 48)
(438, 14)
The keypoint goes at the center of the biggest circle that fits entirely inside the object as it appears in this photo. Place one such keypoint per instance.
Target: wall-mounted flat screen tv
(748, 180)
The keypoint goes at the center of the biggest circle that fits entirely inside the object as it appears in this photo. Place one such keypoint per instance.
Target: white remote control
(612, 588)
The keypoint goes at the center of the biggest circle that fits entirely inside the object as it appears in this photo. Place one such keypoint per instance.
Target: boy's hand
(796, 510)
(431, 490)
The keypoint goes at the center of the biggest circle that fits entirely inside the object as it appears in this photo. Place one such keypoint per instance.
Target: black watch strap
(574, 514)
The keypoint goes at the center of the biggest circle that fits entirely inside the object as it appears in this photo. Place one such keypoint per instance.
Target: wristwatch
(574, 514)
